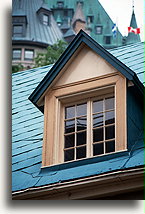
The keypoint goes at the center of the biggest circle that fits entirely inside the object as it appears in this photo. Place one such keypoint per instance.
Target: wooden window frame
(59, 97)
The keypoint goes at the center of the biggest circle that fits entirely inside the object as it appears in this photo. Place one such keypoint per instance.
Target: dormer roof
(81, 38)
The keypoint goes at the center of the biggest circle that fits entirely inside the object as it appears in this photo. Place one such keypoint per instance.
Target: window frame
(21, 34)
(44, 21)
(17, 49)
(60, 96)
(28, 59)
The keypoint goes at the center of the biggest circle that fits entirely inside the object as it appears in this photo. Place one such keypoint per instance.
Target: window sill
(85, 161)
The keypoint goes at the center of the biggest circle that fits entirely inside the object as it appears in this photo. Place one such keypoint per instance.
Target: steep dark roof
(27, 132)
(35, 30)
(82, 37)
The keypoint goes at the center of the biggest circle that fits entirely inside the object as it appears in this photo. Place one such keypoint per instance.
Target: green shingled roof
(27, 132)
(35, 30)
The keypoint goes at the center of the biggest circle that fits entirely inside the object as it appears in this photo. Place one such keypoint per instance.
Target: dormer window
(45, 19)
(90, 19)
(89, 128)
(98, 30)
(17, 30)
(60, 4)
(108, 40)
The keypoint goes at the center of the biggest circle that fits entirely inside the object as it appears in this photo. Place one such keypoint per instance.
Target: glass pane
(98, 106)
(81, 152)
(69, 155)
(110, 146)
(70, 112)
(81, 123)
(81, 109)
(69, 141)
(109, 103)
(81, 138)
(109, 132)
(109, 117)
(29, 54)
(69, 126)
(17, 54)
(97, 120)
(98, 135)
(98, 149)
(18, 29)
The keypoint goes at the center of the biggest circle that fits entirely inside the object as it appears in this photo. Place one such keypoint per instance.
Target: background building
(91, 17)
(33, 29)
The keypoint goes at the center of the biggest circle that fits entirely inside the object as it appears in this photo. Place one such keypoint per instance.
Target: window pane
(109, 117)
(81, 109)
(17, 54)
(109, 103)
(98, 149)
(29, 54)
(70, 112)
(97, 120)
(98, 135)
(69, 126)
(109, 132)
(81, 123)
(98, 106)
(17, 29)
(81, 138)
(69, 155)
(110, 146)
(81, 152)
(69, 141)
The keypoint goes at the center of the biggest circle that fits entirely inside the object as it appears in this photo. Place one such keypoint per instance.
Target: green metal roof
(36, 32)
(92, 8)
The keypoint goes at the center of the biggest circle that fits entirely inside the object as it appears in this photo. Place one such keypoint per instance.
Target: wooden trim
(57, 99)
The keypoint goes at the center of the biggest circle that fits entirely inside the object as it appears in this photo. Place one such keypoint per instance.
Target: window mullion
(89, 128)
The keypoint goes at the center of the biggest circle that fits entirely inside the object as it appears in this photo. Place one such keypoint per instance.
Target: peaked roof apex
(80, 38)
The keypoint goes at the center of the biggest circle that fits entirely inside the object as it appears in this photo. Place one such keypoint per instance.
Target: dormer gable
(44, 14)
(84, 97)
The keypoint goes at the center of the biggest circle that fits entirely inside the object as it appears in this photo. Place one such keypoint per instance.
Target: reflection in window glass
(81, 109)
(75, 132)
(70, 112)
(97, 120)
(17, 54)
(109, 103)
(69, 126)
(29, 54)
(98, 106)
(17, 30)
(45, 19)
(81, 123)
(104, 124)
(109, 117)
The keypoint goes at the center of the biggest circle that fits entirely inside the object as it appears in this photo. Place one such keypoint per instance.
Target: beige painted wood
(58, 98)
(87, 64)
(121, 120)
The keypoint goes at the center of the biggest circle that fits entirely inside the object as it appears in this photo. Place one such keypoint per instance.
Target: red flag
(134, 30)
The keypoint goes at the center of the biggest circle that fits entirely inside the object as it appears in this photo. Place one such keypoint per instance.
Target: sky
(120, 11)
